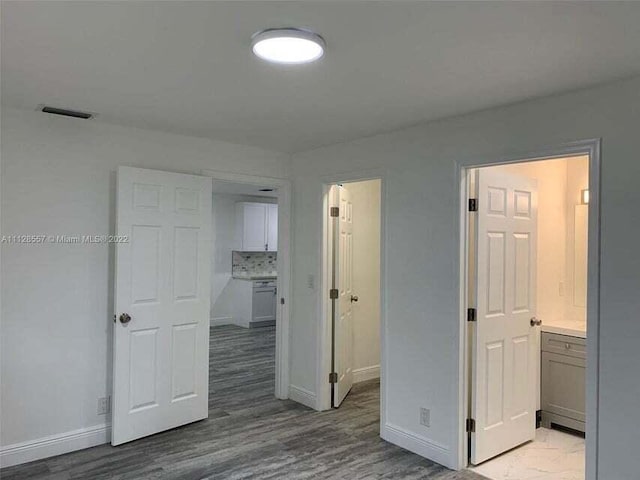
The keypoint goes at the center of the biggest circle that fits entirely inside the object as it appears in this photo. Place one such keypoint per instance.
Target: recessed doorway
(351, 289)
(526, 295)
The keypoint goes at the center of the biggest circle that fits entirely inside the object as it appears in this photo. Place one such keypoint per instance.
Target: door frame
(592, 149)
(283, 187)
(323, 387)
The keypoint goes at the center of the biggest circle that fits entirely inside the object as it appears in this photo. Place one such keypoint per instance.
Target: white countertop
(565, 327)
(254, 277)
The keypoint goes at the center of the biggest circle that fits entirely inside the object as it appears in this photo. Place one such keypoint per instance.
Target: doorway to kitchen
(529, 245)
(250, 284)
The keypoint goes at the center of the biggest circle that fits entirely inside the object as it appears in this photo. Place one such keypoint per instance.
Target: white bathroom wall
(58, 177)
(224, 241)
(366, 278)
(421, 252)
(577, 180)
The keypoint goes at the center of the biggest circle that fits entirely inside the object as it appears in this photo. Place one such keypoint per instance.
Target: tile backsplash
(254, 263)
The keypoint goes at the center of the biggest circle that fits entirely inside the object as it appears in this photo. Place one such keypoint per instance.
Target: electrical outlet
(104, 405)
(311, 281)
(425, 417)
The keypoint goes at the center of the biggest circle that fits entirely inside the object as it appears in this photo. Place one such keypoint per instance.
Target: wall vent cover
(66, 113)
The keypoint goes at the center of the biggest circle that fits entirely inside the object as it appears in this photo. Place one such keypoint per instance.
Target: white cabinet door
(254, 227)
(272, 227)
(343, 326)
(161, 345)
(504, 381)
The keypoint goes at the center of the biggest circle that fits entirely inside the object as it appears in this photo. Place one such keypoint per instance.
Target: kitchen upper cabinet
(272, 227)
(257, 225)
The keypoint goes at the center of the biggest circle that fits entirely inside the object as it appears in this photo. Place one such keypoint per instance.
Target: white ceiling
(188, 67)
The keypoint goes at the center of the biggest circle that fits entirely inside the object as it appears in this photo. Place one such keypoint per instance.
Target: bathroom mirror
(581, 218)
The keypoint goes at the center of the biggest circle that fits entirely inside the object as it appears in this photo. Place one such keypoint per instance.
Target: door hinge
(473, 205)
(333, 377)
(282, 301)
(334, 212)
(471, 425)
(471, 314)
(333, 293)
(114, 318)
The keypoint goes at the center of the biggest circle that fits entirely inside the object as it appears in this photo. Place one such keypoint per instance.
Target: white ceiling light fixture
(288, 45)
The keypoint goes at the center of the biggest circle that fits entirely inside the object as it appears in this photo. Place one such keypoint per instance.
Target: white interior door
(504, 383)
(161, 355)
(343, 269)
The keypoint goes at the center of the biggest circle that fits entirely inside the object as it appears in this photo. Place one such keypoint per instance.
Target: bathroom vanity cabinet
(563, 381)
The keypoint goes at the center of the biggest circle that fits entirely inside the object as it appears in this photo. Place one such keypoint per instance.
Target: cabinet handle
(567, 346)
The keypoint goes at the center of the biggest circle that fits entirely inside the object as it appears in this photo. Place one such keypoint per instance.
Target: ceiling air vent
(67, 113)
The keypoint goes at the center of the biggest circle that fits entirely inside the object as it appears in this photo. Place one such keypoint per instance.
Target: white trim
(417, 444)
(585, 147)
(323, 387)
(54, 445)
(366, 373)
(285, 233)
(303, 396)
(217, 321)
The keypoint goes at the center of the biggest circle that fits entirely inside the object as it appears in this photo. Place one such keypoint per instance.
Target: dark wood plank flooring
(250, 434)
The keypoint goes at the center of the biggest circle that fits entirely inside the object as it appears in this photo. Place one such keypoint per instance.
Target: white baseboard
(215, 321)
(54, 445)
(366, 373)
(303, 396)
(417, 444)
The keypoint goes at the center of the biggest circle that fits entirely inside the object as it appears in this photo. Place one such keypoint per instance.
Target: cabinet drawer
(564, 345)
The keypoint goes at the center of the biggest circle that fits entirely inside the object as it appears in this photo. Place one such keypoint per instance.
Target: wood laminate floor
(250, 434)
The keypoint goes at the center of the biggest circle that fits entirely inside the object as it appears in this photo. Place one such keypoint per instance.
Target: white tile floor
(553, 455)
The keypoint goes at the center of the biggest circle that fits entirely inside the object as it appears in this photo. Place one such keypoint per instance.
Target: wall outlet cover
(104, 405)
(425, 417)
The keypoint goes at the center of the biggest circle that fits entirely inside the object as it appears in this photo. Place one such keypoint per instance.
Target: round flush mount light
(288, 45)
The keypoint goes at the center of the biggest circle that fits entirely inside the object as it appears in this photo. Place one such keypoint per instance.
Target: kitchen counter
(255, 277)
(566, 327)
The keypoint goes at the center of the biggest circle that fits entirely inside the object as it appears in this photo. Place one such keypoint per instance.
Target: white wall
(577, 180)
(366, 278)
(224, 240)
(420, 201)
(58, 177)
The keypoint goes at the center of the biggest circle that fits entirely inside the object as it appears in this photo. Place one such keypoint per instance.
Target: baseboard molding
(366, 373)
(303, 396)
(54, 445)
(216, 321)
(417, 444)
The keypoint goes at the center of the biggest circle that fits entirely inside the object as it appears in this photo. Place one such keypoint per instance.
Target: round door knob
(354, 298)
(535, 322)
(125, 318)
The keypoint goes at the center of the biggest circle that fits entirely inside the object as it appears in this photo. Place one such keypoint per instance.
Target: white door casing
(343, 270)
(503, 400)
(161, 356)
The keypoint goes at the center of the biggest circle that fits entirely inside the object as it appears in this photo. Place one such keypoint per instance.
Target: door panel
(343, 353)
(503, 346)
(161, 355)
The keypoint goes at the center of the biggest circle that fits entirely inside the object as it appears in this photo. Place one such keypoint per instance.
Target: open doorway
(353, 237)
(250, 285)
(526, 290)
